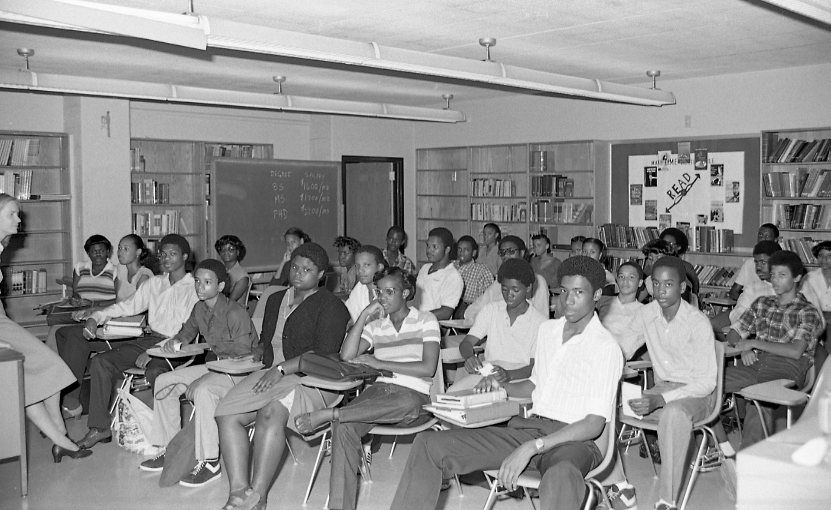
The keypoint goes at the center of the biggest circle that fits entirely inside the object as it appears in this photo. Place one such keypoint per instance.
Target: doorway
(373, 197)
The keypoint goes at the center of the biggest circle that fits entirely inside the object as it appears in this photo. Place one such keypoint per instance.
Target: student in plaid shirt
(786, 327)
(477, 277)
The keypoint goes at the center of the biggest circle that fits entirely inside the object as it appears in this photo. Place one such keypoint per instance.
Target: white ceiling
(611, 40)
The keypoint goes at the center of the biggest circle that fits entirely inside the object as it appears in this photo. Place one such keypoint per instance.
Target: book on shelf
(157, 223)
(552, 186)
(553, 211)
(787, 150)
(19, 151)
(149, 191)
(235, 151)
(27, 281)
(801, 246)
(803, 216)
(17, 184)
(702, 238)
(542, 161)
(498, 212)
(802, 182)
(492, 187)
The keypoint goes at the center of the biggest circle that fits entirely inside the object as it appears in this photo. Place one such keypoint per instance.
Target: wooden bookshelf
(170, 187)
(41, 251)
(499, 189)
(796, 187)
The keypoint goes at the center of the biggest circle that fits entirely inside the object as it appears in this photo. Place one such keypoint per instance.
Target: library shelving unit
(35, 168)
(442, 189)
(796, 186)
(562, 185)
(170, 187)
(499, 189)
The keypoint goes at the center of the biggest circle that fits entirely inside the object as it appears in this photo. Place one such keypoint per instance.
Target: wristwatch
(280, 369)
(539, 444)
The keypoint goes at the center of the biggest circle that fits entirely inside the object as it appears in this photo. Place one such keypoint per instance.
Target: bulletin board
(712, 182)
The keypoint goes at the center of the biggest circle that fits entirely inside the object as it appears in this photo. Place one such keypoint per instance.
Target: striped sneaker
(205, 471)
(622, 496)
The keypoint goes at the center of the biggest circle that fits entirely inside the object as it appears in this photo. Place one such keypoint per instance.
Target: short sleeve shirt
(439, 288)
(509, 345)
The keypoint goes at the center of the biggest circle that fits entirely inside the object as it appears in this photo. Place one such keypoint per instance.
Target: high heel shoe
(72, 413)
(59, 452)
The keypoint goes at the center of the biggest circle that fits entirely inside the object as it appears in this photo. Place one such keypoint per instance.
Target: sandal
(308, 432)
(252, 498)
(235, 498)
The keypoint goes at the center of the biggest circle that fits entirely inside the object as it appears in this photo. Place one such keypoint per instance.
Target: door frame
(398, 189)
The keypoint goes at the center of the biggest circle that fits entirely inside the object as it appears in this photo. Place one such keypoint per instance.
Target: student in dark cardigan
(302, 318)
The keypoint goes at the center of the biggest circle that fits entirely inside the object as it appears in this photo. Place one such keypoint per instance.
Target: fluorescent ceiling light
(819, 10)
(87, 86)
(199, 32)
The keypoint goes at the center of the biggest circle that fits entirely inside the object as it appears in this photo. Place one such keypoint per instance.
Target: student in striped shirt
(406, 343)
(95, 280)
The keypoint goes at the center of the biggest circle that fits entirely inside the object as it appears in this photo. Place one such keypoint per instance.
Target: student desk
(768, 479)
(12, 415)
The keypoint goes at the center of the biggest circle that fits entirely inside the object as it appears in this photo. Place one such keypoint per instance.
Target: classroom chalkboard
(258, 200)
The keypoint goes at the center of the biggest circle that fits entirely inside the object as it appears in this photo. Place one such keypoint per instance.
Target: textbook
(465, 399)
(131, 326)
(477, 414)
(135, 321)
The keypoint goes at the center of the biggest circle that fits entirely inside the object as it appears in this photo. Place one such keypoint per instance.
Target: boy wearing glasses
(511, 247)
(439, 285)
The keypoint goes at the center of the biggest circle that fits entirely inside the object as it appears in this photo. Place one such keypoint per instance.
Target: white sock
(727, 449)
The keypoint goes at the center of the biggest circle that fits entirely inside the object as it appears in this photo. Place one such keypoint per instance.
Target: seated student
(573, 387)
(815, 288)
(594, 248)
(439, 285)
(510, 326)
(747, 273)
(543, 262)
(477, 277)
(577, 245)
(347, 276)
(135, 266)
(681, 345)
(511, 247)
(658, 248)
(489, 251)
(303, 318)
(620, 309)
(231, 251)
(759, 286)
(405, 342)
(394, 252)
(786, 327)
(293, 237)
(168, 300)
(230, 334)
(368, 261)
(95, 280)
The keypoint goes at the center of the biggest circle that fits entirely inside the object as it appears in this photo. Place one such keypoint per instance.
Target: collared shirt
(494, 294)
(477, 278)
(227, 328)
(682, 350)
(617, 317)
(437, 289)
(404, 345)
(347, 279)
(751, 291)
(816, 290)
(285, 310)
(490, 257)
(509, 345)
(784, 324)
(402, 262)
(747, 273)
(359, 299)
(167, 306)
(578, 377)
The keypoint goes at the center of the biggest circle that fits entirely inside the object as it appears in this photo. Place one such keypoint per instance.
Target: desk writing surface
(258, 200)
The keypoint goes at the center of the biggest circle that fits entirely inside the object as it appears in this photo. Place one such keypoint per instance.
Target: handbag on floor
(132, 424)
(332, 368)
(180, 456)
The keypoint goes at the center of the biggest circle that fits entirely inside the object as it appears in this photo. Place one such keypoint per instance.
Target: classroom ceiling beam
(219, 33)
(104, 87)
(819, 10)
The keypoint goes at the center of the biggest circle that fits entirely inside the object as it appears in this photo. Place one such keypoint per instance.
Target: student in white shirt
(747, 273)
(439, 285)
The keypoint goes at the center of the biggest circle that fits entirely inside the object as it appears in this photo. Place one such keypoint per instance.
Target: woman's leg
(41, 418)
(53, 407)
(233, 444)
(269, 443)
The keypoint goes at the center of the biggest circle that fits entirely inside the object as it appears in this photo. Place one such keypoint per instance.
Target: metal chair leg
(291, 451)
(528, 495)
(696, 466)
(761, 418)
(648, 451)
(394, 442)
(320, 453)
(492, 495)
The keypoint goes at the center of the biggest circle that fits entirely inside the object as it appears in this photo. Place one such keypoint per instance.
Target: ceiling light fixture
(104, 87)
(26, 53)
(200, 32)
(447, 98)
(653, 73)
(487, 42)
(279, 80)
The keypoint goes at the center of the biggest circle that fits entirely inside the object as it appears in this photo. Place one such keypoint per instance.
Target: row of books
(800, 151)
(17, 184)
(801, 247)
(803, 182)
(552, 186)
(236, 151)
(702, 238)
(19, 151)
(498, 212)
(541, 161)
(157, 223)
(492, 188)
(137, 162)
(546, 211)
(149, 191)
(27, 281)
(710, 275)
(803, 216)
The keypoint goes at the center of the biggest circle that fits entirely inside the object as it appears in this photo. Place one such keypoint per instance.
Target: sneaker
(663, 505)
(622, 496)
(712, 459)
(204, 472)
(154, 464)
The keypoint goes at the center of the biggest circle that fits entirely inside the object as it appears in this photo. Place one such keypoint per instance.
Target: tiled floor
(110, 479)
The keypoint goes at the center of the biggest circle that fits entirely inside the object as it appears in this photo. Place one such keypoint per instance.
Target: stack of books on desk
(131, 326)
(470, 408)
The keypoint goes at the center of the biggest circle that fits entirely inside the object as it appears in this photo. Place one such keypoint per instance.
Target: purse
(330, 366)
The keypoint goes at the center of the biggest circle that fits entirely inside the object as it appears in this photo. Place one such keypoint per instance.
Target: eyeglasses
(389, 291)
(507, 251)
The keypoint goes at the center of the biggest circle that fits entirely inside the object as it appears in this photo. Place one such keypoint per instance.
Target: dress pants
(440, 455)
(380, 404)
(75, 350)
(166, 414)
